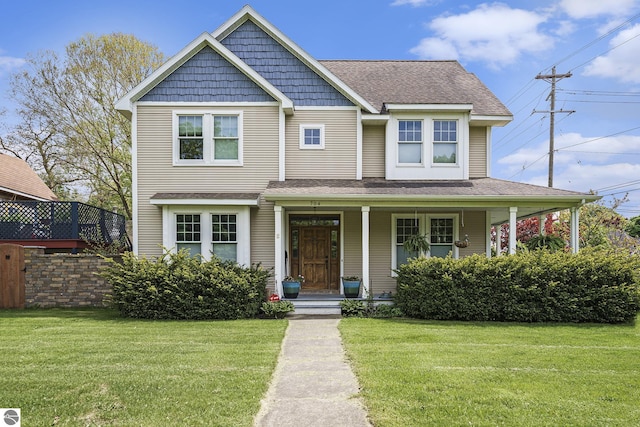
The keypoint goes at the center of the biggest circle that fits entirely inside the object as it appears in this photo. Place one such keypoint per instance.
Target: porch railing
(32, 220)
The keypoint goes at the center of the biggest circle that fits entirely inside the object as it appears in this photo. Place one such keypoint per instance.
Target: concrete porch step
(325, 304)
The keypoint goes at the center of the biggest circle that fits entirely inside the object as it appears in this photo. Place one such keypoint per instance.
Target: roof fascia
(247, 12)
(212, 202)
(458, 108)
(522, 200)
(125, 104)
(476, 119)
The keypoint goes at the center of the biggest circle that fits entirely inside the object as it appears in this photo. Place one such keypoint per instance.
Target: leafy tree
(633, 227)
(70, 131)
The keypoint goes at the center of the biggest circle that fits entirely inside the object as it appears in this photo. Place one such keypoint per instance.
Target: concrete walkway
(313, 385)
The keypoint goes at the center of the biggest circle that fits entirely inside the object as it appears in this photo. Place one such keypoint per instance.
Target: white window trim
(243, 224)
(306, 126)
(207, 135)
(432, 142)
(424, 226)
(422, 142)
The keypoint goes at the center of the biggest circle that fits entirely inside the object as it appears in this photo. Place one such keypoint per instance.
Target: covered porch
(328, 229)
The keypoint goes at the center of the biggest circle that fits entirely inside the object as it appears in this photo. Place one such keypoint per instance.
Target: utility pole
(552, 78)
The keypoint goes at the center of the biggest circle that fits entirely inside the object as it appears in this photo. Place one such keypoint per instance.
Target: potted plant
(291, 286)
(276, 308)
(418, 243)
(351, 286)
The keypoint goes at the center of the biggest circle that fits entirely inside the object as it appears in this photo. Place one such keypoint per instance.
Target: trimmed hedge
(536, 286)
(177, 286)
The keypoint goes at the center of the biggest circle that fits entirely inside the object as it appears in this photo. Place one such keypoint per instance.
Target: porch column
(487, 227)
(365, 251)
(513, 211)
(541, 224)
(575, 230)
(279, 259)
(499, 240)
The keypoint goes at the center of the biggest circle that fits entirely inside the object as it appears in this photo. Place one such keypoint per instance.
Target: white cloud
(621, 63)
(8, 64)
(580, 9)
(492, 33)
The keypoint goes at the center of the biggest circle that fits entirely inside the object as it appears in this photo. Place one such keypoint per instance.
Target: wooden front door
(12, 272)
(314, 252)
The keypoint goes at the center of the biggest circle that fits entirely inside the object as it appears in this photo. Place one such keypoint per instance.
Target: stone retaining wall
(63, 280)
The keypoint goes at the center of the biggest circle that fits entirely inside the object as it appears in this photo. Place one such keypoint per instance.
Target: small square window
(312, 136)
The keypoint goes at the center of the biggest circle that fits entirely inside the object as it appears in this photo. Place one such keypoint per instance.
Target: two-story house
(246, 147)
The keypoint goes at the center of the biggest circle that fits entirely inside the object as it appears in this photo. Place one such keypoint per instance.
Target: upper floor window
(410, 141)
(445, 141)
(208, 138)
(312, 137)
(190, 137)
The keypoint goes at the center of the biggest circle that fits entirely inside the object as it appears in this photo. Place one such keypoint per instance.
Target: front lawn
(90, 367)
(430, 373)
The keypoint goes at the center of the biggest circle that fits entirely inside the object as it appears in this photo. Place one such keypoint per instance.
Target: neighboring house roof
(418, 82)
(17, 178)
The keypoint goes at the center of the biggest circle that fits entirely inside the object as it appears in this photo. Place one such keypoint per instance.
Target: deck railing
(32, 220)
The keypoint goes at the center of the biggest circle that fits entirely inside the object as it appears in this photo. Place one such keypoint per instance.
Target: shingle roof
(417, 82)
(377, 187)
(17, 177)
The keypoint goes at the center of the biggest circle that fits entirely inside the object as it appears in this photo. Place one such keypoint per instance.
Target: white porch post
(499, 240)
(513, 211)
(365, 251)
(575, 230)
(541, 223)
(279, 259)
(487, 222)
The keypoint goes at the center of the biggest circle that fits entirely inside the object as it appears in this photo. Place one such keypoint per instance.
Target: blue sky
(506, 44)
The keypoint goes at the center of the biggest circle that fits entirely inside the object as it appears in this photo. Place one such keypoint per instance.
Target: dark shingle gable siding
(281, 68)
(207, 77)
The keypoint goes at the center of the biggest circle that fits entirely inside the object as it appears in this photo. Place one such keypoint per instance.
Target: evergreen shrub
(177, 286)
(536, 286)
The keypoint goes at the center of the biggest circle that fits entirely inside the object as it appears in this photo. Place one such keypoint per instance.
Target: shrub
(358, 308)
(352, 308)
(277, 309)
(537, 286)
(177, 286)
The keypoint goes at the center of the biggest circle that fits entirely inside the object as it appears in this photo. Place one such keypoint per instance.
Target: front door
(314, 250)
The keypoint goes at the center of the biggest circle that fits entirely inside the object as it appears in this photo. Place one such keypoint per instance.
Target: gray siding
(352, 243)
(380, 252)
(477, 152)
(156, 174)
(373, 139)
(281, 68)
(337, 160)
(207, 77)
(475, 227)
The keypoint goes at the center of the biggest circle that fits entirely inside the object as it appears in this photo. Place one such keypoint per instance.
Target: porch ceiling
(490, 194)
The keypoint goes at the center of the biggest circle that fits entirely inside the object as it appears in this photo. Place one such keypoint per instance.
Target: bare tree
(70, 131)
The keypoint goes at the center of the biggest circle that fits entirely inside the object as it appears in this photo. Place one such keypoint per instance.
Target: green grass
(89, 367)
(429, 373)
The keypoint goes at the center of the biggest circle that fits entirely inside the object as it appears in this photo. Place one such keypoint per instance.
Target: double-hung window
(188, 233)
(410, 138)
(405, 228)
(208, 139)
(190, 138)
(441, 236)
(445, 141)
(224, 236)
